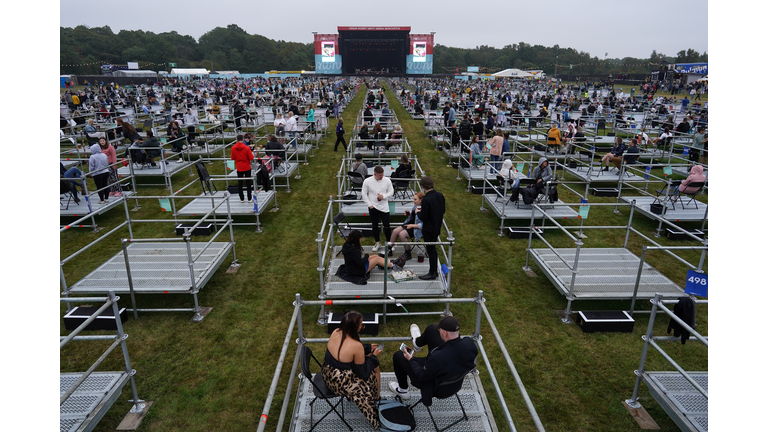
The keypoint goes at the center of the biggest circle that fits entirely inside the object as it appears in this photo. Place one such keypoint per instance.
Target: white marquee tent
(512, 73)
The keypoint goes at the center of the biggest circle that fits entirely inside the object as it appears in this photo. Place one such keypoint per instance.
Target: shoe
(415, 334)
(153, 165)
(390, 253)
(404, 394)
(605, 169)
(250, 200)
(77, 200)
(101, 202)
(407, 255)
(242, 201)
(376, 247)
(181, 160)
(400, 261)
(428, 276)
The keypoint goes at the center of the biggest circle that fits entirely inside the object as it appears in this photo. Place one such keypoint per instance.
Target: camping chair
(320, 390)
(443, 390)
(205, 178)
(626, 161)
(403, 186)
(692, 195)
(138, 157)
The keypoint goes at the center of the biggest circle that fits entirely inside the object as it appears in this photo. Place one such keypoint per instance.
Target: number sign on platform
(696, 283)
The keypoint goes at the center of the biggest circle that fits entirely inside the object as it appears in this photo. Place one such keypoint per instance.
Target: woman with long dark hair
(349, 370)
(357, 265)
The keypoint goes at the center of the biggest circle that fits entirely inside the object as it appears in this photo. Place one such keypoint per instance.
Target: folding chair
(355, 187)
(403, 186)
(662, 196)
(138, 157)
(337, 221)
(65, 191)
(505, 183)
(692, 195)
(443, 390)
(320, 390)
(524, 184)
(205, 178)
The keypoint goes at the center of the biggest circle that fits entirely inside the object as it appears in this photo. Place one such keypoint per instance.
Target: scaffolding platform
(156, 268)
(337, 287)
(603, 274)
(677, 214)
(87, 405)
(445, 411)
(688, 408)
(204, 204)
(509, 210)
(82, 208)
(360, 209)
(595, 175)
(171, 168)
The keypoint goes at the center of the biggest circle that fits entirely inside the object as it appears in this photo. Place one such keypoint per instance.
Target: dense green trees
(83, 50)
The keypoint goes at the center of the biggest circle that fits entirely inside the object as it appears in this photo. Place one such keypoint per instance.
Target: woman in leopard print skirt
(348, 371)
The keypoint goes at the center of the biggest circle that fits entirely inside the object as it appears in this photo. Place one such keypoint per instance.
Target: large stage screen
(374, 50)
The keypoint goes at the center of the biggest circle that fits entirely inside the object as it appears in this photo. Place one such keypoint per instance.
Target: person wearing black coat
(432, 211)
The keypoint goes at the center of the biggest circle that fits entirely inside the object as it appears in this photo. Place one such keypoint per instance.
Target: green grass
(215, 375)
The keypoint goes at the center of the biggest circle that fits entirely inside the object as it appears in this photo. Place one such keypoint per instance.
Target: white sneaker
(404, 394)
(242, 201)
(376, 247)
(415, 333)
(181, 160)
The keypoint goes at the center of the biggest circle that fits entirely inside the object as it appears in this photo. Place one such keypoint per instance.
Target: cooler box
(370, 320)
(105, 321)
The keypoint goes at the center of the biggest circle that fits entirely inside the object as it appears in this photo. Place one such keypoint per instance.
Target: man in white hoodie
(376, 192)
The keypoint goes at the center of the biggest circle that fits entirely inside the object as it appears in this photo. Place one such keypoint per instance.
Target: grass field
(215, 375)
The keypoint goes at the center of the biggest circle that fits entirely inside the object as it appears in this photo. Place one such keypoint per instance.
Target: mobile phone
(380, 347)
(406, 348)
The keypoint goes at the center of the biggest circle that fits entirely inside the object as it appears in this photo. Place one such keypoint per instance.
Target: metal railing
(482, 311)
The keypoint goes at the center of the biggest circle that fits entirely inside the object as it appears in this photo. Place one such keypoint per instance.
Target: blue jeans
(74, 173)
(292, 136)
(495, 161)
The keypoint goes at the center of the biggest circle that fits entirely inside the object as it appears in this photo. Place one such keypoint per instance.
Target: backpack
(395, 417)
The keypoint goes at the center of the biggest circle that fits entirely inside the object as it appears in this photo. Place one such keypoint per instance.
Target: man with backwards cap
(454, 357)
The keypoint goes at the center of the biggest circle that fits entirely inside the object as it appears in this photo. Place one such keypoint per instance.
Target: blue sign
(692, 68)
(326, 67)
(696, 283)
(473, 68)
(418, 67)
(647, 172)
(685, 151)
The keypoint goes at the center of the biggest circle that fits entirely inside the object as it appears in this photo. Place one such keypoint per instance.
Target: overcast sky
(619, 28)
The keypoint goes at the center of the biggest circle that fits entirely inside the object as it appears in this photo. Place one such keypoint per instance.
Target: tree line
(84, 49)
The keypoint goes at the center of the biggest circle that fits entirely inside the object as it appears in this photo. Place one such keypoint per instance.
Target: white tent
(512, 73)
(135, 73)
(180, 71)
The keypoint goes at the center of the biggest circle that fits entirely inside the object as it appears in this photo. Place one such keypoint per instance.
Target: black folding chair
(443, 390)
(402, 187)
(692, 195)
(320, 390)
(205, 178)
(355, 187)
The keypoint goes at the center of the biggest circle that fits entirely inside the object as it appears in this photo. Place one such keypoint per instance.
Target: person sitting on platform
(411, 228)
(397, 134)
(348, 369)
(274, 148)
(542, 174)
(360, 266)
(454, 357)
(152, 145)
(630, 156)
(71, 185)
(365, 136)
(615, 154)
(696, 176)
(474, 150)
(553, 138)
(359, 167)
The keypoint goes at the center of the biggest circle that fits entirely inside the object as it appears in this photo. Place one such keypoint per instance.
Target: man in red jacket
(243, 157)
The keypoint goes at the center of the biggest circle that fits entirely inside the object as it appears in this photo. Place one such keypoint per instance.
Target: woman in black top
(357, 265)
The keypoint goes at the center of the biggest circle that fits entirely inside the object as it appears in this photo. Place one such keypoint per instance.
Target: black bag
(553, 197)
(395, 417)
(529, 195)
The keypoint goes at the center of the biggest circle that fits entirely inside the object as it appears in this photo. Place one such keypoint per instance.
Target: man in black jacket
(432, 211)
(454, 357)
